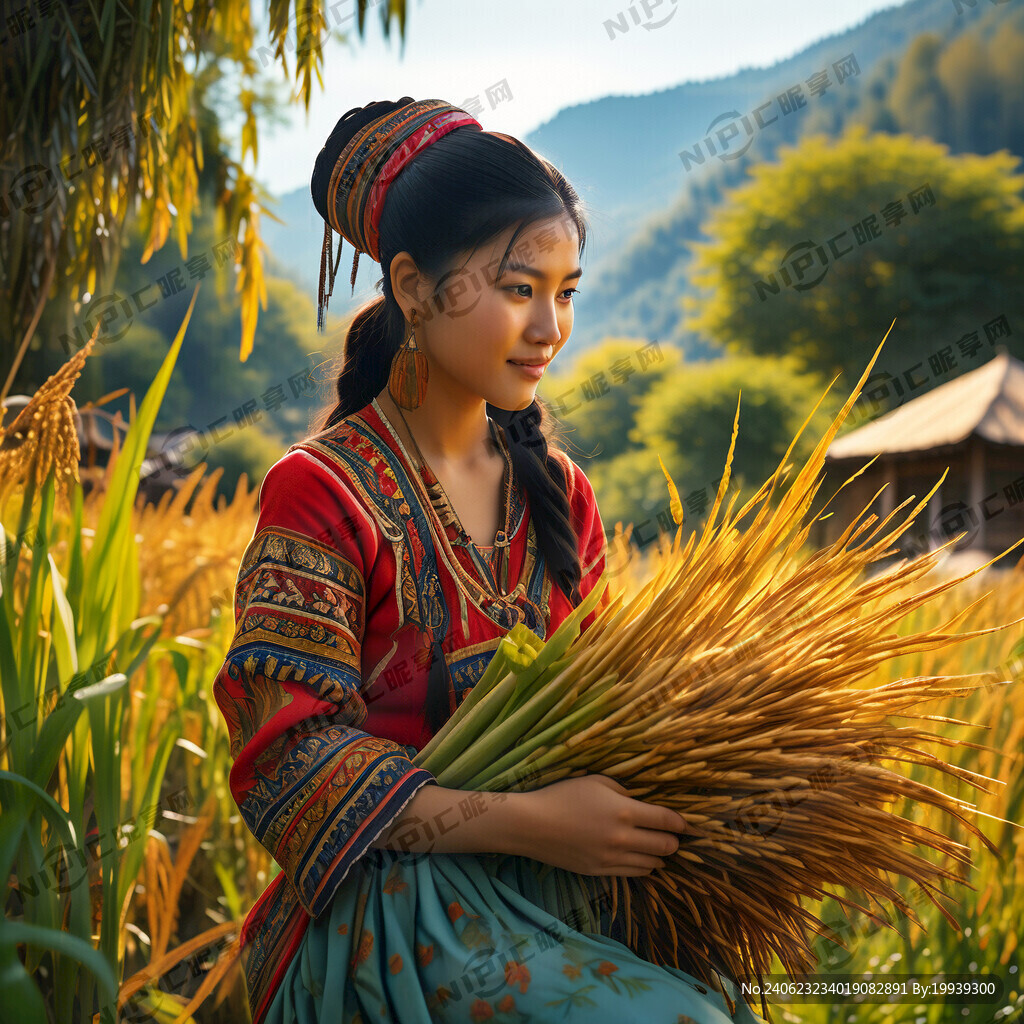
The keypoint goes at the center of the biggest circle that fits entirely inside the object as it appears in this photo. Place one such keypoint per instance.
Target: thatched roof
(987, 402)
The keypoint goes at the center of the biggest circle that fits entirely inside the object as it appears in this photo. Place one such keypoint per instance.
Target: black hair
(457, 194)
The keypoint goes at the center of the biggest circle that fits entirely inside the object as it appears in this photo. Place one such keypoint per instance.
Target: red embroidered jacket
(324, 683)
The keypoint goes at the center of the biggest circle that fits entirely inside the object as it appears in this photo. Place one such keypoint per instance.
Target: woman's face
(484, 323)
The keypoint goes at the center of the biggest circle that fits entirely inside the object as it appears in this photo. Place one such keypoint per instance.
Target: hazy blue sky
(551, 53)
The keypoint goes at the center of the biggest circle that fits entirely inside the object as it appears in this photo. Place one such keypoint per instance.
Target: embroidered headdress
(365, 169)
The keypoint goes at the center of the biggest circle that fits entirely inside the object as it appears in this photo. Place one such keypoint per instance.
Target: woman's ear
(408, 284)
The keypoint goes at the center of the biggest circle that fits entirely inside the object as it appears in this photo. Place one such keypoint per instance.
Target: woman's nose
(544, 326)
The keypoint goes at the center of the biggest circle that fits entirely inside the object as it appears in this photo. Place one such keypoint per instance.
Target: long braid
(543, 476)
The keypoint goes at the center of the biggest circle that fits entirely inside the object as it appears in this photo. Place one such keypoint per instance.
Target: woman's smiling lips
(535, 371)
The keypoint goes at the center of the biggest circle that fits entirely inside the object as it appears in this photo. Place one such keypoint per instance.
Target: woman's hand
(591, 826)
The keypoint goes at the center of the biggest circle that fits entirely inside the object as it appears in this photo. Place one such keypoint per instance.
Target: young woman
(393, 550)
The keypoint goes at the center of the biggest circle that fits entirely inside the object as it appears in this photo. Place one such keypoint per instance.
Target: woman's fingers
(636, 865)
(647, 815)
(663, 819)
(652, 843)
(600, 829)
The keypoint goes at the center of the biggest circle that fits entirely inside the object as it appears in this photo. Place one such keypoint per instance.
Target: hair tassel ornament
(355, 265)
(325, 264)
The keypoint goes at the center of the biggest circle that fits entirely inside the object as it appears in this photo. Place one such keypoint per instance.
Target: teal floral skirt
(414, 938)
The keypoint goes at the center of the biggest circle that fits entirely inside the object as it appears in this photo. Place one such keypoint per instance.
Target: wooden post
(976, 485)
(888, 496)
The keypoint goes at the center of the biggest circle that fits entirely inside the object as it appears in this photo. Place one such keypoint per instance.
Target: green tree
(918, 95)
(824, 212)
(1007, 61)
(968, 77)
(966, 91)
(687, 418)
(600, 392)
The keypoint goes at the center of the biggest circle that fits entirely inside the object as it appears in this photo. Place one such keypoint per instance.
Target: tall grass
(69, 642)
(97, 694)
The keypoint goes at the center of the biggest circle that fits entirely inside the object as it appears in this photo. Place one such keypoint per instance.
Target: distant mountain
(622, 153)
(976, 104)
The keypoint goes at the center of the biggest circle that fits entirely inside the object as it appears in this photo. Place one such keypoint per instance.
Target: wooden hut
(972, 425)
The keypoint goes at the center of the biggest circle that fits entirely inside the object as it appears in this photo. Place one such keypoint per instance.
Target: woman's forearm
(440, 820)
(588, 824)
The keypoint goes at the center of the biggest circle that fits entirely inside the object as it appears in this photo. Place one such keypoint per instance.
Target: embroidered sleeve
(312, 787)
(592, 539)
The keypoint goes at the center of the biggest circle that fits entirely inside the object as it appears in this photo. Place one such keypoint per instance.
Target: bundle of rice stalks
(727, 689)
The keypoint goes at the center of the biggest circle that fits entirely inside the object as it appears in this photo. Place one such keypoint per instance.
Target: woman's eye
(570, 292)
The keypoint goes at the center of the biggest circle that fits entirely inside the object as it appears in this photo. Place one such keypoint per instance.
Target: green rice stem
(490, 780)
(562, 638)
(535, 740)
(472, 728)
(461, 731)
(572, 699)
(497, 668)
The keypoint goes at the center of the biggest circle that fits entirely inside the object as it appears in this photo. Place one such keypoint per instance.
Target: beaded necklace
(445, 510)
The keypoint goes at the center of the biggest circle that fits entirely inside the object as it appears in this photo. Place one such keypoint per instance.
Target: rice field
(129, 868)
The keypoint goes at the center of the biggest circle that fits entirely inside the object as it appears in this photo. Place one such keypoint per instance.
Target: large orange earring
(407, 383)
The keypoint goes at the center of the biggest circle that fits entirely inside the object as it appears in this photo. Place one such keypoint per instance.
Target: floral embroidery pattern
(481, 1010)
(394, 882)
(517, 974)
(601, 970)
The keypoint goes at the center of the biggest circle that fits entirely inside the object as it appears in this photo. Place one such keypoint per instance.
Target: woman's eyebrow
(518, 268)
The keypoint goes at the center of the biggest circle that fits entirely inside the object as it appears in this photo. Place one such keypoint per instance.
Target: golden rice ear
(43, 436)
(675, 504)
